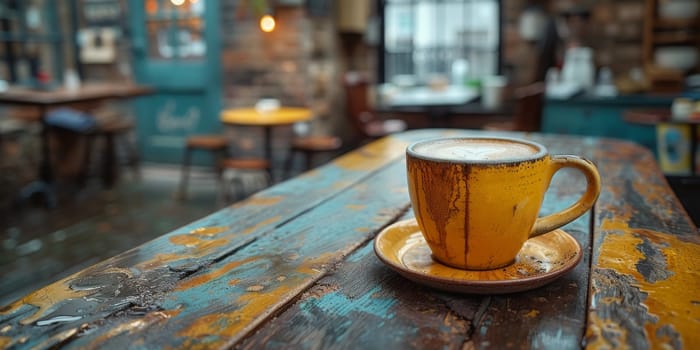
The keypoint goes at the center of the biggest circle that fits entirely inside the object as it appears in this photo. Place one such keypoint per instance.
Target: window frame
(381, 45)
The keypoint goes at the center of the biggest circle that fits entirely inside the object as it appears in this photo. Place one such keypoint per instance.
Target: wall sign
(101, 12)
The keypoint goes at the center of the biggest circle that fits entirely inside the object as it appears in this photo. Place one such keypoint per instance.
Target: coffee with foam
(476, 149)
(477, 199)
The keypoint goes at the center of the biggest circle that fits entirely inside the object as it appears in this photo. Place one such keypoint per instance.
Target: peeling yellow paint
(198, 247)
(48, 297)
(372, 155)
(198, 280)
(234, 282)
(265, 222)
(355, 207)
(665, 297)
(255, 288)
(159, 260)
(654, 195)
(597, 326)
(185, 240)
(260, 201)
(209, 231)
(135, 325)
(6, 329)
(621, 219)
(45, 299)
(5, 342)
(202, 246)
(252, 308)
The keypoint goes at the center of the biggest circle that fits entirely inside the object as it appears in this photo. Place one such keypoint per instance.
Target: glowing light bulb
(177, 2)
(267, 23)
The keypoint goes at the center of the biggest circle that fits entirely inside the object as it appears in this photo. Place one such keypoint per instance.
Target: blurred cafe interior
(121, 120)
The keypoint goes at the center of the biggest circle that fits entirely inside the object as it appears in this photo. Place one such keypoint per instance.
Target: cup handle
(553, 221)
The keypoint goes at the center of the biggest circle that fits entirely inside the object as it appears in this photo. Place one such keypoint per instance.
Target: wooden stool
(242, 164)
(115, 131)
(215, 144)
(309, 146)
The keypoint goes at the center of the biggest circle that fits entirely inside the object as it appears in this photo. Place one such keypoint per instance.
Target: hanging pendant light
(267, 23)
(263, 9)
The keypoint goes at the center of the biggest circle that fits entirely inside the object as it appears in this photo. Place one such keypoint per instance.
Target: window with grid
(422, 38)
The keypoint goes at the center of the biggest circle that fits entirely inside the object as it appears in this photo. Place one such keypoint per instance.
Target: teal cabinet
(604, 117)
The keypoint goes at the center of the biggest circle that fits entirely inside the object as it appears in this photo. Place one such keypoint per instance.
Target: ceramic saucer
(541, 260)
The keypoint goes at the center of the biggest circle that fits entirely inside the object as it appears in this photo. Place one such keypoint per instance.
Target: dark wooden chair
(529, 102)
(368, 125)
(309, 147)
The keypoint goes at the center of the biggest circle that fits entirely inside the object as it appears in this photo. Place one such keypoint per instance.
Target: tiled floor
(40, 246)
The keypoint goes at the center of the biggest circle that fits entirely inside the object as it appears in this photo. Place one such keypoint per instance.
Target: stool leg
(133, 155)
(85, 171)
(288, 163)
(185, 171)
(223, 195)
(308, 160)
(109, 169)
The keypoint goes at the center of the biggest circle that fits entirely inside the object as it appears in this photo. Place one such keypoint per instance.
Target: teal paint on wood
(368, 304)
(358, 313)
(271, 265)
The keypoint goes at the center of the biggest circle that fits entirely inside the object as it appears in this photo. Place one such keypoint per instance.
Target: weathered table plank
(152, 269)
(215, 308)
(364, 304)
(645, 289)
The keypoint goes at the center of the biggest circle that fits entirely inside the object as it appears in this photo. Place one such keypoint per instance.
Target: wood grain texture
(293, 267)
(364, 304)
(140, 279)
(645, 287)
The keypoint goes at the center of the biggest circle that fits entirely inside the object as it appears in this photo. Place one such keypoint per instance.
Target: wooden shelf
(667, 23)
(676, 38)
(659, 32)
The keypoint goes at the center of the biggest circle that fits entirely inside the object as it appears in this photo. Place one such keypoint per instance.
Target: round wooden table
(267, 119)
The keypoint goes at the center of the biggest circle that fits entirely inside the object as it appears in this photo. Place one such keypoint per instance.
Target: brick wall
(297, 63)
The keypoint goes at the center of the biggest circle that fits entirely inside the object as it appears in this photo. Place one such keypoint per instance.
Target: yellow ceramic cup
(477, 200)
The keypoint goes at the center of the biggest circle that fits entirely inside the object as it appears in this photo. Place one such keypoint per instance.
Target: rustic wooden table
(44, 100)
(267, 119)
(293, 267)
